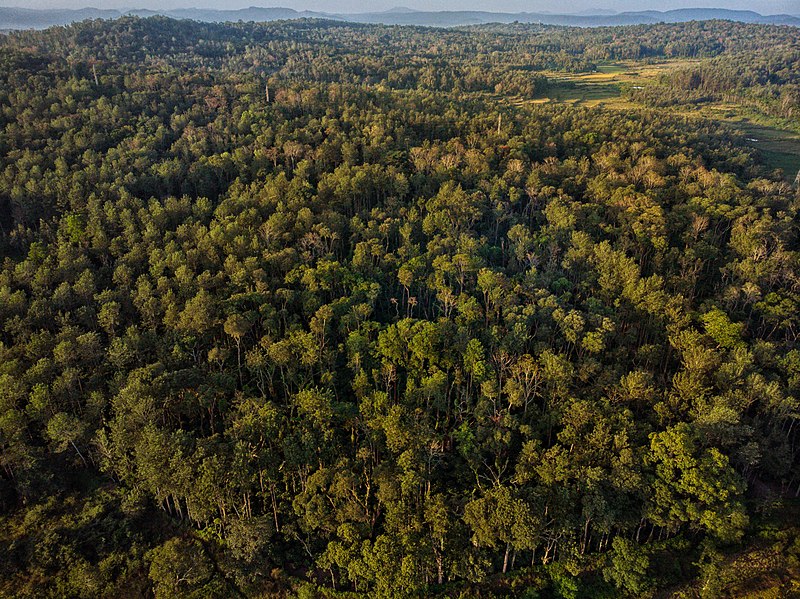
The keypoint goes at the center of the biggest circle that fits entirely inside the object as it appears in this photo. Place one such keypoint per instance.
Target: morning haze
(765, 7)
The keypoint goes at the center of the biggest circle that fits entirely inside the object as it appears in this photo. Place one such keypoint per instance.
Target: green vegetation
(779, 149)
(328, 310)
(629, 84)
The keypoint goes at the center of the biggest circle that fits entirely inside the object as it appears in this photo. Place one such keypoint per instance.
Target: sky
(553, 6)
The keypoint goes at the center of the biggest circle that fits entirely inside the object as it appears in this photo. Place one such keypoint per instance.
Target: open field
(778, 147)
(605, 86)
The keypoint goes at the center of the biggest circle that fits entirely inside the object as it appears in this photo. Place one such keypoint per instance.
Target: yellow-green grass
(778, 147)
(604, 86)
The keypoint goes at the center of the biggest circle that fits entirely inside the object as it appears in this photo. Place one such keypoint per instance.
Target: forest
(312, 309)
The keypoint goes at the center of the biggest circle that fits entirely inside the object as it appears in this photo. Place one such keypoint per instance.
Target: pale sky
(554, 6)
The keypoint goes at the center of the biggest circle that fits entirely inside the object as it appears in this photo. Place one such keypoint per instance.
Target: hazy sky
(556, 6)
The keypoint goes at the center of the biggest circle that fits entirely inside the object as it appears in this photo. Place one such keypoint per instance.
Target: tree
(237, 327)
(63, 430)
(694, 485)
(179, 568)
(500, 518)
(628, 567)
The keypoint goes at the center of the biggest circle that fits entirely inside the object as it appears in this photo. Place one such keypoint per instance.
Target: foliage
(382, 332)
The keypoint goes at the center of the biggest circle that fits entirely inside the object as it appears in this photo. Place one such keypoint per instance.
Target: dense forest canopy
(309, 308)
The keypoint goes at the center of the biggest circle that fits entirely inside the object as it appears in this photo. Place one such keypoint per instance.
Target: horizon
(580, 7)
(400, 303)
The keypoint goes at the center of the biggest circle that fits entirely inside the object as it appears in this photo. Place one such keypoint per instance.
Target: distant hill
(470, 17)
(596, 11)
(24, 18)
(253, 13)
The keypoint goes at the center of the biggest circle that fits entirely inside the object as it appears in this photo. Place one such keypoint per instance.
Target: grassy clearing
(612, 68)
(604, 87)
(589, 93)
(777, 143)
(784, 155)
(778, 146)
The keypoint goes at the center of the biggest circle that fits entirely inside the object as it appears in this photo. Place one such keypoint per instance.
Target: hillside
(21, 18)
